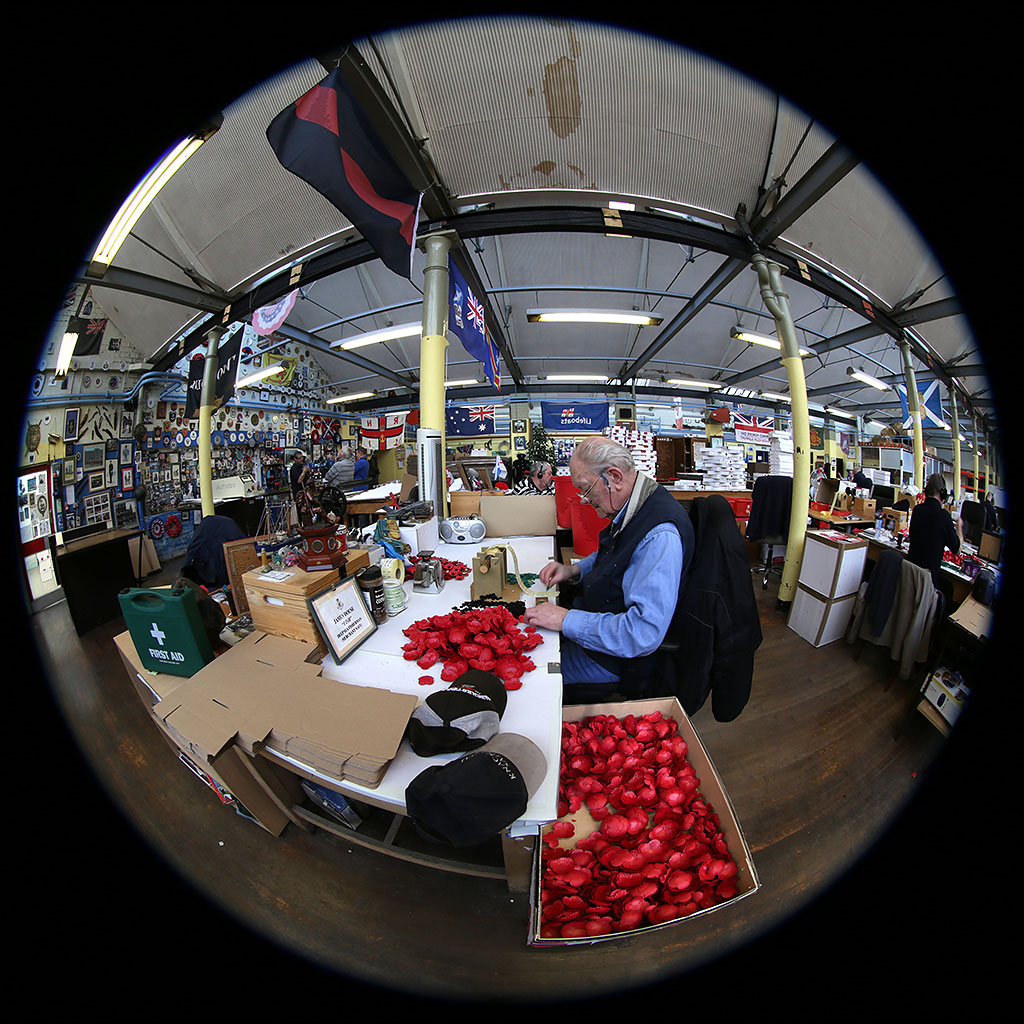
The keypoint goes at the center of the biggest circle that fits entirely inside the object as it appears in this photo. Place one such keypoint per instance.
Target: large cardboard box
(711, 789)
(819, 620)
(832, 565)
(895, 520)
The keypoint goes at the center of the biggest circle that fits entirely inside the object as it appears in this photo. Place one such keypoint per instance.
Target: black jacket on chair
(720, 628)
(770, 504)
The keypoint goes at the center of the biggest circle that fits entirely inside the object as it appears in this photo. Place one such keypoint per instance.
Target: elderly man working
(629, 587)
(538, 481)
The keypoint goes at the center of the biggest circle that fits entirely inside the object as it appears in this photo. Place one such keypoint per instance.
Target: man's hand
(555, 572)
(546, 615)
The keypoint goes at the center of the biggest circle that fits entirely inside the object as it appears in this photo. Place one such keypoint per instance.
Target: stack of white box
(880, 476)
(640, 443)
(780, 455)
(724, 468)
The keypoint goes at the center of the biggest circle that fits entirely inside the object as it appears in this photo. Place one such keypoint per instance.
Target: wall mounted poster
(342, 617)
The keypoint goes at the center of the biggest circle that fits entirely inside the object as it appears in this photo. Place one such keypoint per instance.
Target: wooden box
(277, 601)
(895, 520)
(864, 508)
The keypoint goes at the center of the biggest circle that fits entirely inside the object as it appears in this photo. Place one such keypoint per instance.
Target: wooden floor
(854, 806)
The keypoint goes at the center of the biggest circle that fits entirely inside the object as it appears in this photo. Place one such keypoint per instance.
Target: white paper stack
(724, 468)
(780, 455)
(880, 476)
(641, 445)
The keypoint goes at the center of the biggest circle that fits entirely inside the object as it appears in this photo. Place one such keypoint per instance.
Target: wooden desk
(92, 571)
(839, 523)
(962, 585)
(365, 503)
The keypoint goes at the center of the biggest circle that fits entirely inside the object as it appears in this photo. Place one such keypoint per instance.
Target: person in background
(932, 529)
(342, 472)
(991, 516)
(540, 480)
(361, 470)
(298, 473)
(859, 478)
(630, 587)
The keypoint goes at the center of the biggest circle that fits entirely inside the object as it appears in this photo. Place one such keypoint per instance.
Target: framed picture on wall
(519, 426)
(127, 478)
(71, 424)
(97, 482)
(93, 456)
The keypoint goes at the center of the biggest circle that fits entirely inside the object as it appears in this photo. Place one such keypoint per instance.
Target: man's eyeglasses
(585, 495)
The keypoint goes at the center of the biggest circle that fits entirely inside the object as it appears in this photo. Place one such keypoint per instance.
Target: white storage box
(819, 620)
(421, 536)
(831, 567)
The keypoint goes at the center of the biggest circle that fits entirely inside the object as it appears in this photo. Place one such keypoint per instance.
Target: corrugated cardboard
(974, 616)
(518, 515)
(711, 789)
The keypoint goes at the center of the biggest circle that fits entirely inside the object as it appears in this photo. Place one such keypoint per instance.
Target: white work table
(533, 711)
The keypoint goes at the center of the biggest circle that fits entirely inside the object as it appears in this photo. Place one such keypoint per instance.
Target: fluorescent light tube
(592, 316)
(67, 350)
(261, 374)
(761, 339)
(694, 383)
(578, 376)
(459, 383)
(349, 398)
(386, 334)
(866, 378)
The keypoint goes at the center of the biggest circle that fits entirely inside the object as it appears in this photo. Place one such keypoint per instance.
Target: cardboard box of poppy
(680, 857)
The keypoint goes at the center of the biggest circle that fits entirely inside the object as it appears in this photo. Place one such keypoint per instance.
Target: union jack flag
(481, 412)
(476, 312)
(752, 429)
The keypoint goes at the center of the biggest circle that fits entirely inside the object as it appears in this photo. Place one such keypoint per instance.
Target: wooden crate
(279, 606)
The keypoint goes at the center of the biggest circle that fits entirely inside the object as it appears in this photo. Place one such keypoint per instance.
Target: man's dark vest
(601, 588)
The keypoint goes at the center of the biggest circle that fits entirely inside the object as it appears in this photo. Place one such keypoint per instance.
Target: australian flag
(326, 139)
(466, 321)
(469, 421)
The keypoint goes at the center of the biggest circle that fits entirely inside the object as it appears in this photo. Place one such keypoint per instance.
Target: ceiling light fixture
(459, 383)
(776, 396)
(840, 412)
(866, 378)
(142, 195)
(257, 375)
(694, 383)
(349, 398)
(762, 339)
(385, 334)
(592, 316)
(600, 378)
(67, 350)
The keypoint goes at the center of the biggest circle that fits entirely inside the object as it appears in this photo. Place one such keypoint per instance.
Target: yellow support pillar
(207, 404)
(434, 340)
(914, 407)
(976, 442)
(777, 301)
(956, 447)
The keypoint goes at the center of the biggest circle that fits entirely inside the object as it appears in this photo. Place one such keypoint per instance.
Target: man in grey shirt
(341, 472)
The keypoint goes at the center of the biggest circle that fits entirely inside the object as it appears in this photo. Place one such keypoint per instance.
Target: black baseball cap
(461, 718)
(473, 798)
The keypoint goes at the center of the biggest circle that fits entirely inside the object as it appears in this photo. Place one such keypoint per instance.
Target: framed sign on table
(343, 618)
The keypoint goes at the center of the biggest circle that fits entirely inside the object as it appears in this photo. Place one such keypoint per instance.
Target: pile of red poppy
(658, 853)
(484, 638)
(452, 570)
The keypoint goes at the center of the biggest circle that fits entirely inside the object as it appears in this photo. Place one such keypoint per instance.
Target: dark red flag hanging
(326, 139)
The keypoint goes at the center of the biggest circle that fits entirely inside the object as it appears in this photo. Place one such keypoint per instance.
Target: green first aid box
(167, 630)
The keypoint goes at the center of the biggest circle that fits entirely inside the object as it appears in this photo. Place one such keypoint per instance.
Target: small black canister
(371, 583)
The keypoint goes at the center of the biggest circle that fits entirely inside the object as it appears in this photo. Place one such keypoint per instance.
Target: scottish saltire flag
(326, 139)
(930, 403)
(469, 421)
(466, 322)
(753, 429)
(381, 433)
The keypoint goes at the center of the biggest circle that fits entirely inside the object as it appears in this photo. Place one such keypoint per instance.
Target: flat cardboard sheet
(518, 515)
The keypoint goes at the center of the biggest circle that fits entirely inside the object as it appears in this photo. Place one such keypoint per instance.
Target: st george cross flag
(470, 421)
(381, 433)
(753, 429)
(929, 402)
(326, 139)
(466, 322)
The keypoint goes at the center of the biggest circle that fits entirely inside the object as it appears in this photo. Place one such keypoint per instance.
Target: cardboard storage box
(421, 536)
(830, 566)
(710, 788)
(277, 600)
(819, 620)
(864, 508)
(895, 520)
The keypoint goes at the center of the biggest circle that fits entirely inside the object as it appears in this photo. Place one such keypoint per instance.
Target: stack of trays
(780, 455)
(724, 468)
